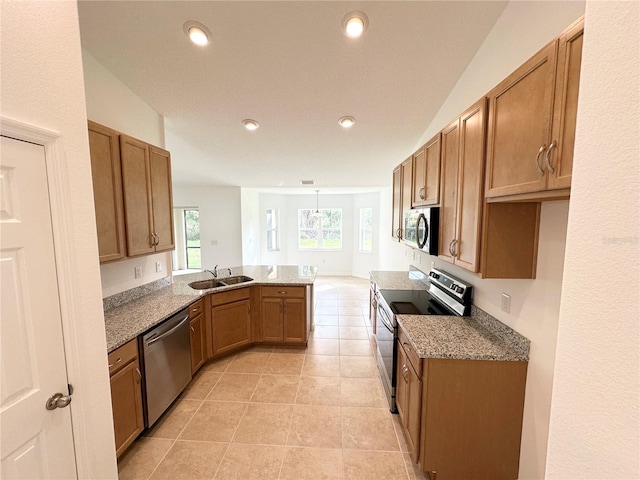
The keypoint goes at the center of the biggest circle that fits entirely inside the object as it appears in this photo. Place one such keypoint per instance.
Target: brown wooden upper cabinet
(401, 196)
(461, 198)
(426, 174)
(146, 181)
(396, 208)
(531, 124)
(107, 192)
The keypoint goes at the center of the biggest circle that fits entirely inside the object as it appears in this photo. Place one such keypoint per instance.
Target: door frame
(84, 380)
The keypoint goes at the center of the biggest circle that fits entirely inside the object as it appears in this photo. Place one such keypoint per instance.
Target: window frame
(276, 230)
(363, 231)
(319, 231)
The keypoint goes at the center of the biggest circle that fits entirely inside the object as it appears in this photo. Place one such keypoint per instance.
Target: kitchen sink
(235, 280)
(223, 282)
(204, 284)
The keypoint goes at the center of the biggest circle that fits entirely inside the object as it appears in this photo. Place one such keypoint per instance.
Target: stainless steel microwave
(421, 229)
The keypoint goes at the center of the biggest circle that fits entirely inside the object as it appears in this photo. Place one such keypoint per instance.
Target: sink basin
(235, 280)
(223, 282)
(204, 284)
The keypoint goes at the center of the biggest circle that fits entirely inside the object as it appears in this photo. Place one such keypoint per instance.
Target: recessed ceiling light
(354, 24)
(197, 33)
(346, 122)
(250, 124)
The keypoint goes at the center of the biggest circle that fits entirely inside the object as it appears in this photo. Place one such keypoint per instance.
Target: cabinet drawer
(282, 291)
(230, 296)
(412, 355)
(195, 308)
(123, 355)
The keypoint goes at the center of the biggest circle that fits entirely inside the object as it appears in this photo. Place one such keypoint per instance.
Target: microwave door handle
(422, 241)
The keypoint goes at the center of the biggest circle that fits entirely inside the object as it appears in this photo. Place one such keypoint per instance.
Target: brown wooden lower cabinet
(197, 331)
(462, 418)
(126, 395)
(283, 314)
(230, 320)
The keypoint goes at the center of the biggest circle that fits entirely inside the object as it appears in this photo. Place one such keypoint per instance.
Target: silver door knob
(58, 400)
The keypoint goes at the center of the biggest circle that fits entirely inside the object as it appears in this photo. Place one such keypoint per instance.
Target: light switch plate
(158, 267)
(138, 272)
(506, 303)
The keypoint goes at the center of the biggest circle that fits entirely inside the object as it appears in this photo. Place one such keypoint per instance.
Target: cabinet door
(419, 177)
(520, 116)
(396, 207)
(470, 188)
(126, 404)
(432, 171)
(407, 182)
(408, 399)
(560, 157)
(295, 320)
(449, 190)
(136, 187)
(231, 326)
(197, 343)
(107, 192)
(426, 174)
(271, 313)
(162, 204)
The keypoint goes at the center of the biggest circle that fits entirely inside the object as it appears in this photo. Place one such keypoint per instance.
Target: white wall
(111, 103)
(42, 85)
(594, 431)
(522, 29)
(251, 233)
(220, 222)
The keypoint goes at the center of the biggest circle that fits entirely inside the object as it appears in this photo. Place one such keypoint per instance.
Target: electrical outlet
(138, 272)
(506, 303)
(158, 267)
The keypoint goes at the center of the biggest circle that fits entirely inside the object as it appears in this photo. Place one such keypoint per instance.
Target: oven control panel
(451, 285)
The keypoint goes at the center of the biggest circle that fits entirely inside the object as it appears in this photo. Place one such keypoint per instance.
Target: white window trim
(276, 229)
(319, 231)
(361, 231)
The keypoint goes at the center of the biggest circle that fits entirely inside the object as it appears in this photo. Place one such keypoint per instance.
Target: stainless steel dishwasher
(167, 364)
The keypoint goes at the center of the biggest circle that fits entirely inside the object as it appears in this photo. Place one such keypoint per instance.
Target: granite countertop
(127, 321)
(399, 280)
(477, 337)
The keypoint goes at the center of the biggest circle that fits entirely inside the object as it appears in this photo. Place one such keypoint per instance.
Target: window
(273, 225)
(321, 230)
(192, 237)
(366, 230)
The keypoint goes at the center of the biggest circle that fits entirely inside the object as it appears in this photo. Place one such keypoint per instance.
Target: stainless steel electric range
(444, 295)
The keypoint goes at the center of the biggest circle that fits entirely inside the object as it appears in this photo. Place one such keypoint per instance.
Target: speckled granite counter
(478, 337)
(399, 280)
(125, 322)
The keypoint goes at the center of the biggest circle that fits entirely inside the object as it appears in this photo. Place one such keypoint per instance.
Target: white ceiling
(289, 66)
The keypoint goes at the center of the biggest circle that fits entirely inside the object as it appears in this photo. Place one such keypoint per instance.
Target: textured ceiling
(289, 66)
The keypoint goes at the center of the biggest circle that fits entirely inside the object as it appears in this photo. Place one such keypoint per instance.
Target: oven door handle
(385, 320)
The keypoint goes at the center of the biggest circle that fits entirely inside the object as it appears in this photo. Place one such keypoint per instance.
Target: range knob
(434, 275)
(453, 287)
(459, 289)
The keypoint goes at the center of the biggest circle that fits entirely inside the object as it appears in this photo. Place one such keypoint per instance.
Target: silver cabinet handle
(540, 152)
(421, 193)
(548, 154)
(116, 362)
(193, 330)
(455, 250)
(451, 247)
(139, 374)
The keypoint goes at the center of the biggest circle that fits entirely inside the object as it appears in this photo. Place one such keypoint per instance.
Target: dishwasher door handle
(167, 333)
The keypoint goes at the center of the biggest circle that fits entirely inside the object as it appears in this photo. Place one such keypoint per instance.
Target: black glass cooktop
(413, 302)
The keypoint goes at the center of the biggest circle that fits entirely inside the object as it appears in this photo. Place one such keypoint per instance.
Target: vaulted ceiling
(289, 66)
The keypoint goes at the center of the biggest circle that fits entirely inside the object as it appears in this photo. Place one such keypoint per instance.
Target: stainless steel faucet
(214, 272)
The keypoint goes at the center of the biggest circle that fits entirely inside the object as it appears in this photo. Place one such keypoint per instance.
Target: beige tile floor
(276, 413)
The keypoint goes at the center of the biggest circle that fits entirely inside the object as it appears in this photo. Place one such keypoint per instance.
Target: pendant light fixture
(317, 213)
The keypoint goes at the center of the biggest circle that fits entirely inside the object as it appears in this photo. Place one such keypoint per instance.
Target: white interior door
(36, 443)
